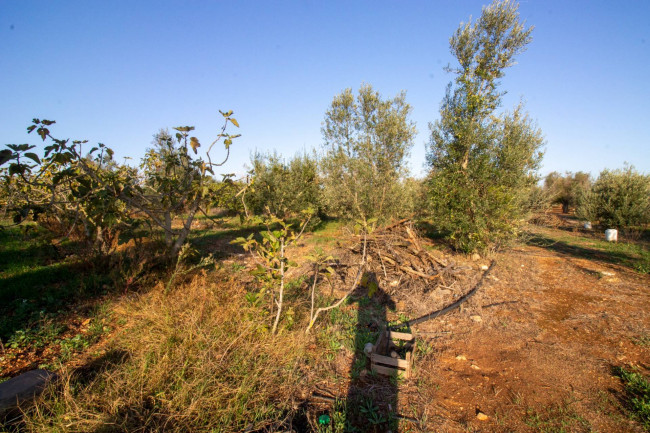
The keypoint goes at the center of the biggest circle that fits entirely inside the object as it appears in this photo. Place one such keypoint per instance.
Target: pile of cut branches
(405, 267)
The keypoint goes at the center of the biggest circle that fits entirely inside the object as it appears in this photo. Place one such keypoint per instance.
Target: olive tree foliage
(284, 188)
(565, 189)
(483, 163)
(366, 141)
(618, 199)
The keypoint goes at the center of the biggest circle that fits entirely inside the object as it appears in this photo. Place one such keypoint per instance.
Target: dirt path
(540, 357)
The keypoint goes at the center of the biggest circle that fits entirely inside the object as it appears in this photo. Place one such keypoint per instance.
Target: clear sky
(117, 71)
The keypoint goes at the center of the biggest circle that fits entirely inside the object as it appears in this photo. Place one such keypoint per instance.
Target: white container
(587, 225)
(611, 235)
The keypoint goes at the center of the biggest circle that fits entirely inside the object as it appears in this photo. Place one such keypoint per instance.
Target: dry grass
(196, 359)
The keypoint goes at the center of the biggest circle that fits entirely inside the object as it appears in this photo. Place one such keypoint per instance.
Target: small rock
(394, 283)
(607, 274)
(444, 292)
(476, 257)
(476, 319)
(481, 416)
(461, 358)
(23, 388)
(484, 267)
(393, 354)
(475, 367)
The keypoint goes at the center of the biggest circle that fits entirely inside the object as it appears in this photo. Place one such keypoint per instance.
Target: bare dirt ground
(552, 327)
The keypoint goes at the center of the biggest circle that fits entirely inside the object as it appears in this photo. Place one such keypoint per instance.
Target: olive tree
(482, 162)
(618, 199)
(284, 188)
(566, 189)
(366, 141)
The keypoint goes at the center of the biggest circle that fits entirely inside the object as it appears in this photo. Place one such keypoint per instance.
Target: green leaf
(330, 270)
(31, 128)
(5, 155)
(43, 132)
(48, 122)
(16, 169)
(227, 142)
(372, 288)
(234, 122)
(184, 128)
(34, 157)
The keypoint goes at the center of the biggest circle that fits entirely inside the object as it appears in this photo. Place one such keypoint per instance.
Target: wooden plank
(382, 343)
(381, 359)
(399, 335)
(386, 371)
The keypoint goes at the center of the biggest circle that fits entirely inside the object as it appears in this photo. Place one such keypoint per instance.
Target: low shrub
(618, 199)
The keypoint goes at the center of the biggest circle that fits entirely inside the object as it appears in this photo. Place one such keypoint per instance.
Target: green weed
(560, 418)
(371, 412)
(637, 394)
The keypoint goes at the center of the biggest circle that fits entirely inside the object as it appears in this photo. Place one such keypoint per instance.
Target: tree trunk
(185, 231)
(168, 229)
(281, 294)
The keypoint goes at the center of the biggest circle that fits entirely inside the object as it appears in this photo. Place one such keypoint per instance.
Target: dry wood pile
(407, 268)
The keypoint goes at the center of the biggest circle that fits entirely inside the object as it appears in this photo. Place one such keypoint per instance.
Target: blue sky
(116, 72)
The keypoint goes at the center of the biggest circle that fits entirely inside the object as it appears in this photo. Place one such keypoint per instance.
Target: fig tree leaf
(194, 143)
(5, 155)
(34, 157)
